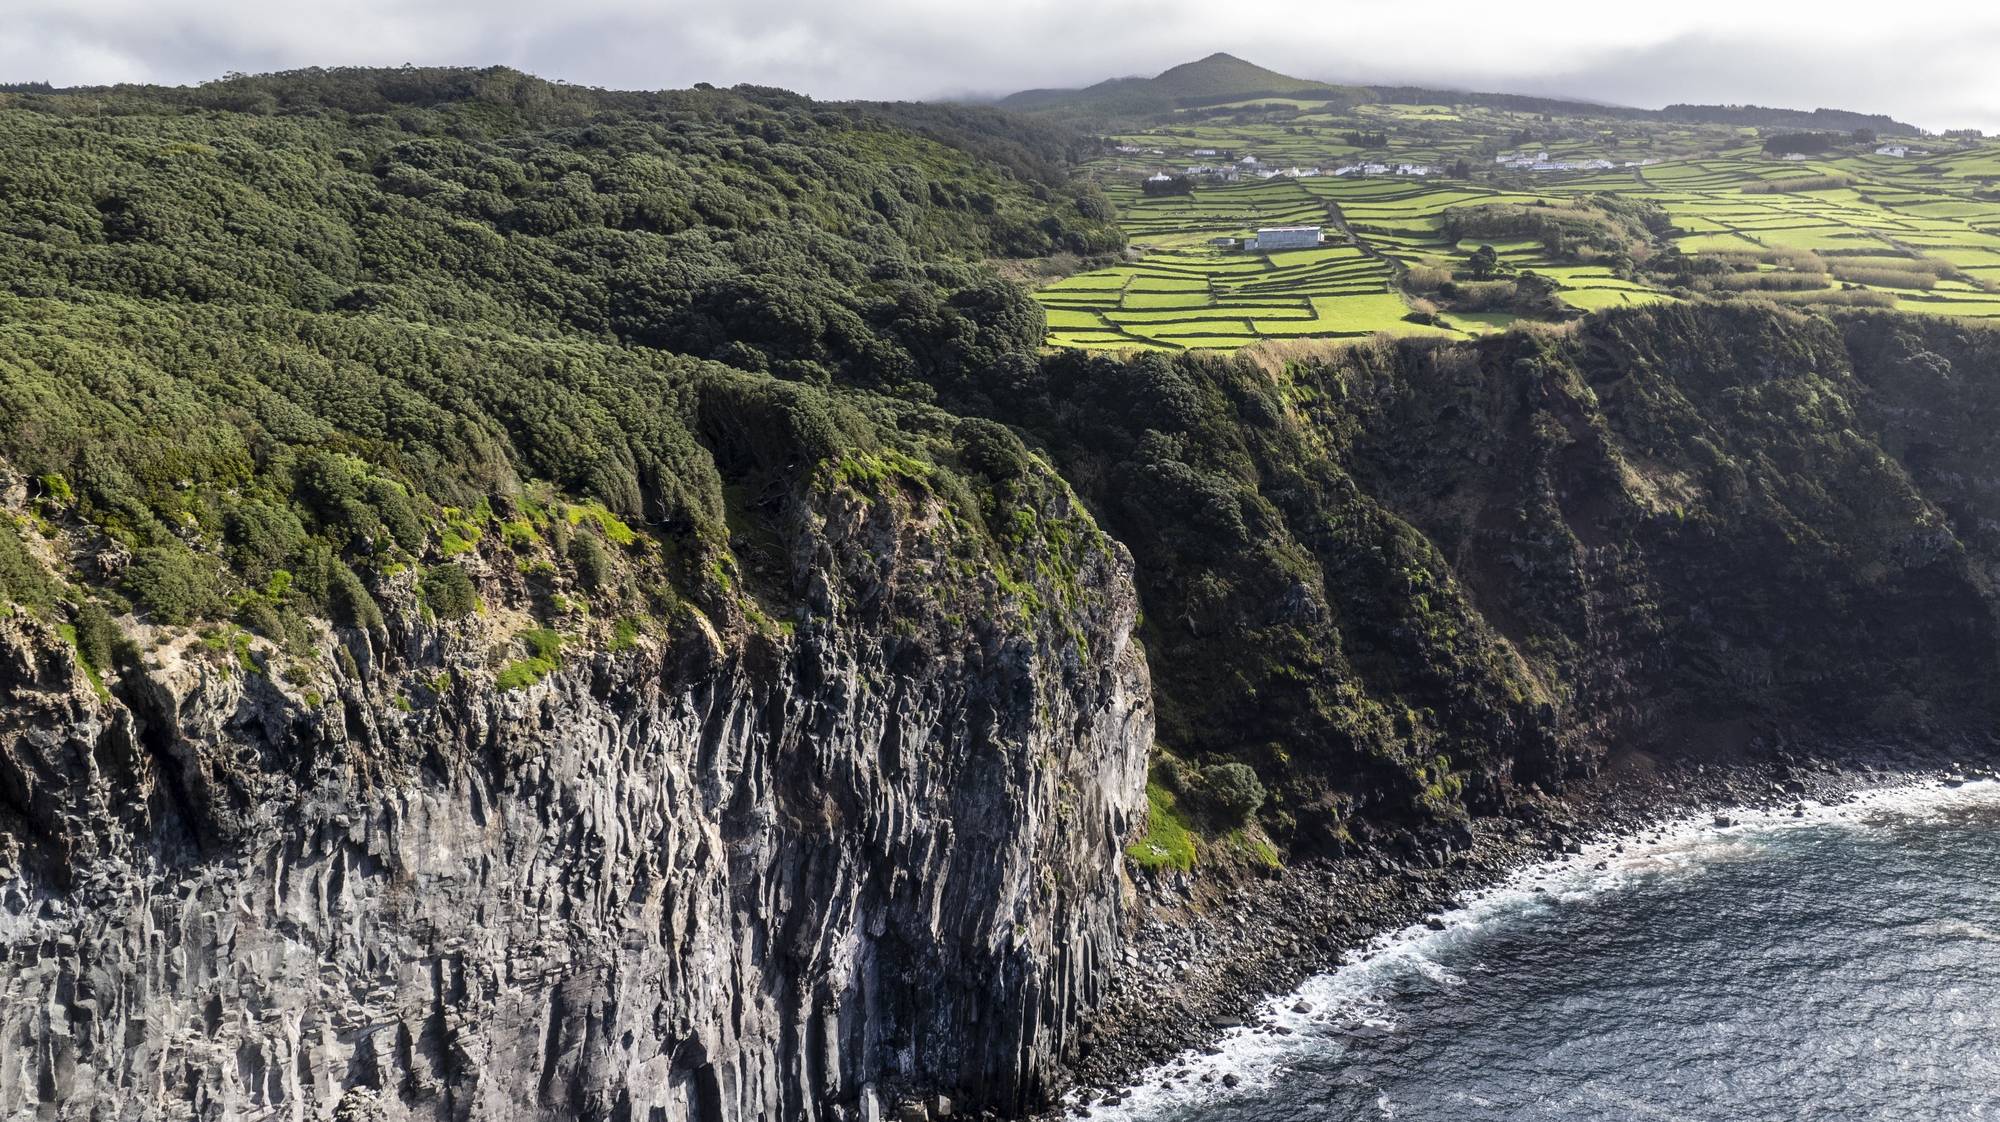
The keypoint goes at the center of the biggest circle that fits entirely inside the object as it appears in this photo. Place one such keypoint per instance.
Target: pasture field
(1849, 227)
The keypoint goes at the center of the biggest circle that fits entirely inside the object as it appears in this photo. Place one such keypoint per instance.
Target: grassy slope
(1845, 229)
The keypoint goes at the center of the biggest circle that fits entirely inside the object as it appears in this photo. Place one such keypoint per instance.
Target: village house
(1896, 150)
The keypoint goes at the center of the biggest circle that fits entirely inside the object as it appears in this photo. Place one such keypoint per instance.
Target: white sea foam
(1353, 999)
(1959, 929)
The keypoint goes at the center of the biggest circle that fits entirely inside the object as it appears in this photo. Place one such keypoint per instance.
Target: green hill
(1226, 76)
(1218, 78)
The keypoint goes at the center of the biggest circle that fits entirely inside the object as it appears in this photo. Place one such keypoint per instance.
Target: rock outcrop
(792, 876)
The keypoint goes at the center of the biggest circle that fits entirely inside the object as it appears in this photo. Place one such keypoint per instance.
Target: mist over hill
(1222, 77)
(1217, 78)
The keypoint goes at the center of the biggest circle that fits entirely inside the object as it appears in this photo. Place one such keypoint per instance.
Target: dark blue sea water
(1844, 967)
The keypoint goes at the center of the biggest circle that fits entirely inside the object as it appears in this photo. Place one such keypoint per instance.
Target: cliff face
(1406, 581)
(708, 878)
(852, 830)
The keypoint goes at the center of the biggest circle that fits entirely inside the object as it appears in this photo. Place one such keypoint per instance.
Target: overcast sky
(1934, 62)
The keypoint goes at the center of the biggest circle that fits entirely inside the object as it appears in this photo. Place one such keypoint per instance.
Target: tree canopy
(308, 323)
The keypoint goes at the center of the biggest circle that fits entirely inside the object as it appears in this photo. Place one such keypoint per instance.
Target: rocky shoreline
(1203, 957)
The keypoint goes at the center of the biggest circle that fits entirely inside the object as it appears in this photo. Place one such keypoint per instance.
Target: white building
(1896, 150)
(1540, 161)
(1159, 177)
(1286, 237)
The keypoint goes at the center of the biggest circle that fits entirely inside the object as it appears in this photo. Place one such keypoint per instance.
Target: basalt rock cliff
(781, 878)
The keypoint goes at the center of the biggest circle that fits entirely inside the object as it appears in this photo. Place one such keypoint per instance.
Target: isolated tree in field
(1484, 263)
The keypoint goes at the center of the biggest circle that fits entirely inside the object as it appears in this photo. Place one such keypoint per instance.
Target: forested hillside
(269, 340)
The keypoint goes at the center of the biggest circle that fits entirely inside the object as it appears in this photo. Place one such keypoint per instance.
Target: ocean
(1842, 966)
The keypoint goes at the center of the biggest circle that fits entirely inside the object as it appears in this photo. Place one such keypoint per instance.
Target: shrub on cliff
(1233, 791)
(97, 637)
(592, 562)
(170, 583)
(449, 591)
(23, 581)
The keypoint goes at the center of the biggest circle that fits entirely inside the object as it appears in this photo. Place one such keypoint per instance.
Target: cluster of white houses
(1386, 169)
(1248, 166)
(1251, 165)
(1540, 161)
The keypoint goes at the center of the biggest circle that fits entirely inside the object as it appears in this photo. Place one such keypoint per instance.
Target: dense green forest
(277, 338)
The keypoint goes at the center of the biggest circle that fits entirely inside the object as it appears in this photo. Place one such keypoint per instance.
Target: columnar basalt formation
(702, 879)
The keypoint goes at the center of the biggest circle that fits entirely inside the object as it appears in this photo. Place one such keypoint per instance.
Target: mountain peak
(1218, 77)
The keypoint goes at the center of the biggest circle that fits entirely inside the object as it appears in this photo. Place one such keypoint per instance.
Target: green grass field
(1920, 234)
